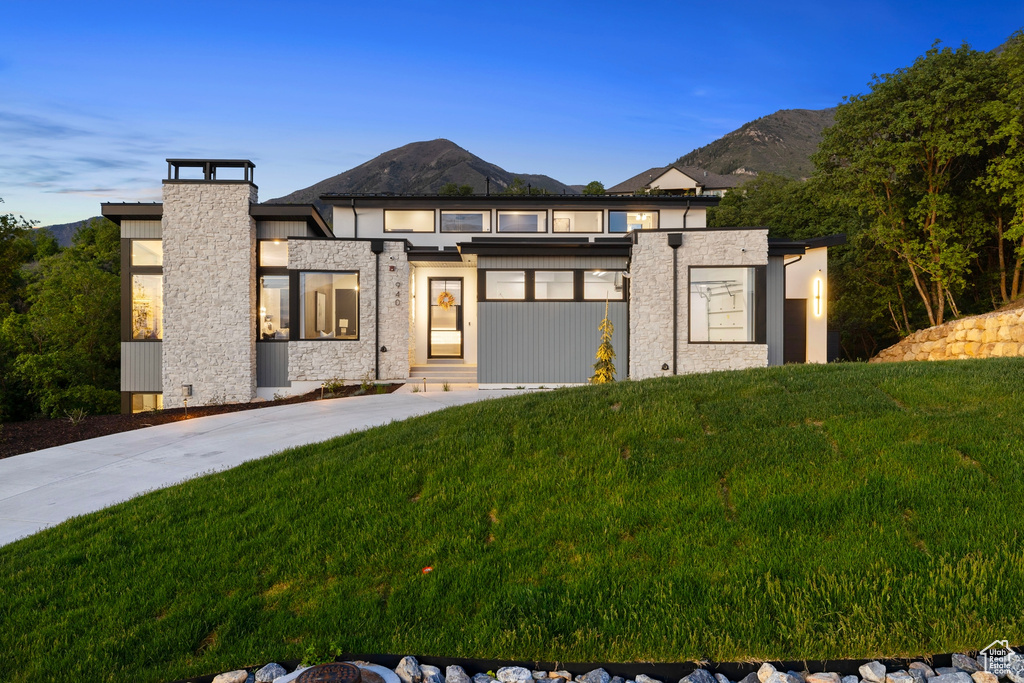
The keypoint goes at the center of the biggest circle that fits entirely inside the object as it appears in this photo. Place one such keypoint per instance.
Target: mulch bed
(34, 435)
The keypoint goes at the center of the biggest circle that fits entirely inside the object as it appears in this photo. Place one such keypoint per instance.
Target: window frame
(533, 212)
(127, 271)
(292, 298)
(432, 231)
(583, 284)
(484, 212)
(627, 231)
(759, 333)
(302, 313)
(600, 231)
(531, 282)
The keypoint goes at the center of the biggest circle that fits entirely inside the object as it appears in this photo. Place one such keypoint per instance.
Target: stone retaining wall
(992, 335)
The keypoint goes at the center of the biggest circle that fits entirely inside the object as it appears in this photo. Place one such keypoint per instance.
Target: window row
(520, 221)
(552, 285)
(328, 306)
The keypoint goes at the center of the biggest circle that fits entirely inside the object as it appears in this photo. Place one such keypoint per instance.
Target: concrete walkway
(44, 488)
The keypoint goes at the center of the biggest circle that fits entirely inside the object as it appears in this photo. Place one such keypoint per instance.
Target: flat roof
(474, 201)
(118, 212)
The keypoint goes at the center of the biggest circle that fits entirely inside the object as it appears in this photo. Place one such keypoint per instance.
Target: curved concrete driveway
(44, 488)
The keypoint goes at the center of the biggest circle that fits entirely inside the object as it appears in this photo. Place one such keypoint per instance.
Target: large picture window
(722, 304)
(577, 221)
(147, 307)
(330, 305)
(465, 221)
(628, 221)
(522, 221)
(408, 221)
(554, 285)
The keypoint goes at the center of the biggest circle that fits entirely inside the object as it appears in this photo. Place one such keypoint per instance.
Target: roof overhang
(152, 211)
(520, 202)
(292, 212)
(505, 246)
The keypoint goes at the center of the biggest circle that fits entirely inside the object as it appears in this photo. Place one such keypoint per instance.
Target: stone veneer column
(209, 242)
(650, 301)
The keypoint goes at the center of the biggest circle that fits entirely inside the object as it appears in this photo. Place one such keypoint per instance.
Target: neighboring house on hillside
(226, 300)
(678, 180)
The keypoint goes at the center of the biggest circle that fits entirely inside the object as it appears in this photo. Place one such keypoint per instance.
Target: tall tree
(594, 187)
(900, 155)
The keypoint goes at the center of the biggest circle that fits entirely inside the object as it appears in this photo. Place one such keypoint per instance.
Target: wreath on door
(445, 300)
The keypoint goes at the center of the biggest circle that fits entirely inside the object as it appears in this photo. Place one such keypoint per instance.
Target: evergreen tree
(604, 368)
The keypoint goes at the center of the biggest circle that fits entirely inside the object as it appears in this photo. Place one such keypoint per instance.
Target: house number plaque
(331, 673)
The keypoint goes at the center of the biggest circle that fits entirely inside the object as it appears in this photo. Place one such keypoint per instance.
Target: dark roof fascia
(222, 163)
(196, 181)
(546, 247)
(433, 254)
(520, 202)
(142, 212)
(787, 247)
(292, 212)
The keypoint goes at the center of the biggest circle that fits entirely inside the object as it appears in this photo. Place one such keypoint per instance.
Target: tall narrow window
(275, 314)
(147, 319)
(330, 305)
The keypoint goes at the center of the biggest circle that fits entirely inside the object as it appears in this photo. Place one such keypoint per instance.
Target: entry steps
(439, 373)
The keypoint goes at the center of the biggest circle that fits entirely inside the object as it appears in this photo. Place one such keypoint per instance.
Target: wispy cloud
(31, 126)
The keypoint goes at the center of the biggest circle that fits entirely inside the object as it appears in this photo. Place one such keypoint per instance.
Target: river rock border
(954, 668)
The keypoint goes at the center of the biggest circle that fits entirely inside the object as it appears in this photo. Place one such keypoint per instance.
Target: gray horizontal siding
(775, 281)
(141, 229)
(141, 366)
(553, 262)
(276, 230)
(536, 342)
(272, 364)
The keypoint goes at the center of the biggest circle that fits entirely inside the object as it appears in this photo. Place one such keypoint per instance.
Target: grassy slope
(818, 512)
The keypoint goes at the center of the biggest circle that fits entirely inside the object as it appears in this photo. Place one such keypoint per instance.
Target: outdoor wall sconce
(818, 287)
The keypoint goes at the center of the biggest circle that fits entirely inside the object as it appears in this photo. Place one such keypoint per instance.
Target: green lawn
(797, 512)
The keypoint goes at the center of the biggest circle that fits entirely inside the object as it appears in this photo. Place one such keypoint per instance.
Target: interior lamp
(818, 290)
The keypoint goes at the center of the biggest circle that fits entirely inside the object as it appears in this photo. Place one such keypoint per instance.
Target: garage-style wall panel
(141, 364)
(546, 342)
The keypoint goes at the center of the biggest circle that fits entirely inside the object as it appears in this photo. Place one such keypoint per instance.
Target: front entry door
(444, 340)
(794, 331)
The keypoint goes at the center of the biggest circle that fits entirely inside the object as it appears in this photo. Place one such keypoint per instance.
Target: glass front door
(445, 337)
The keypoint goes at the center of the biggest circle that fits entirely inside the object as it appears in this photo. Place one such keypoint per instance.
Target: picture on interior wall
(561, 225)
(321, 312)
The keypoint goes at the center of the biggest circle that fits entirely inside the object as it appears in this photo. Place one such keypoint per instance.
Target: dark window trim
(760, 307)
(530, 275)
(272, 271)
(132, 240)
(127, 271)
(442, 212)
(602, 231)
(259, 244)
(547, 221)
(359, 305)
(657, 212)
(432, 231)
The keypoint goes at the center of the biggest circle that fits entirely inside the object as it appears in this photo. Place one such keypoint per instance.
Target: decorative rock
(595, 676)
(751, 678)
(431, 674)
(238, 676)
(272, 672)
(796, 675)
(955, 677)
(873, 672)
(1015, 674)
(917, 674)
(644, 678)
(409, 670)
(385, 674)
(984, 677)
(456, 674)
(251, 678)
(921, 666)
(722, 679)
(946, 670)
(899, 677)
(968, 664)
(849, 679)
(765, 672)
(482, 678)
(823, 677)
(562, 674)
(617, 679)
(698, 676)
(517, 674)
(539, 675)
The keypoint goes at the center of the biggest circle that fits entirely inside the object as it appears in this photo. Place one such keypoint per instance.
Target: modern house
(227, 300)
(678, 180)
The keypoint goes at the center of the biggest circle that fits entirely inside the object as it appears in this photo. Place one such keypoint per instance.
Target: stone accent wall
(317, 360)
(983, 336)
(650, 305)
(209, 243)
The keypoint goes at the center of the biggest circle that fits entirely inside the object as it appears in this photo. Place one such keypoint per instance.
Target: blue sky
(94, 96)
